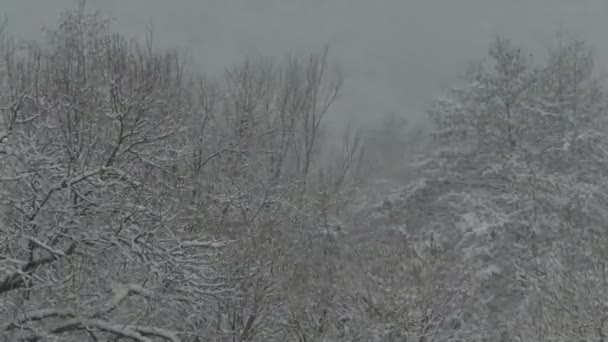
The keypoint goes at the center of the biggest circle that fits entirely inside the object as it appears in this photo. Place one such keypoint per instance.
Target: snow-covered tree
(518, 170)
(92, 247)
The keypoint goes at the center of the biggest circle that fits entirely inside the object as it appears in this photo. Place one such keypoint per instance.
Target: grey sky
(396, 54)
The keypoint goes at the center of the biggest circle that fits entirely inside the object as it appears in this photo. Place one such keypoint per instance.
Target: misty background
(395, 55)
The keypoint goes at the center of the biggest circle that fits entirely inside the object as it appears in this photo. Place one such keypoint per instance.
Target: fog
(396, 55)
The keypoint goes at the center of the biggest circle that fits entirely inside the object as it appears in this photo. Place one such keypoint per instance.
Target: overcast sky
(396, 54)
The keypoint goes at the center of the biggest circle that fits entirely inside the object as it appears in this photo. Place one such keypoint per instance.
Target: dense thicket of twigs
(141, 201)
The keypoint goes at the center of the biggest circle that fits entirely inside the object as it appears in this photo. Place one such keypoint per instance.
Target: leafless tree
(91, 244)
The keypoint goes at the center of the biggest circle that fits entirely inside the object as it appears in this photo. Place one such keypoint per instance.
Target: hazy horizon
(396, 55)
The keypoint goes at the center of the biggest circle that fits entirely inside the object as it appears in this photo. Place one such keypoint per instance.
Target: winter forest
(143, 201)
